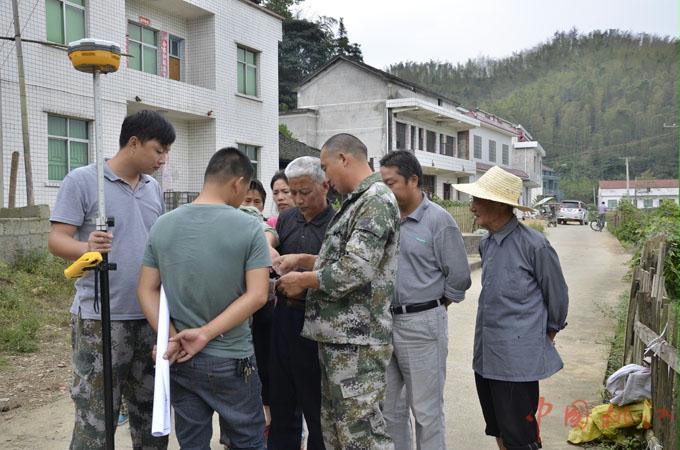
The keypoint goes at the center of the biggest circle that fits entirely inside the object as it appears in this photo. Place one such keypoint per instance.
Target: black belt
(295, 304)
(417, 307)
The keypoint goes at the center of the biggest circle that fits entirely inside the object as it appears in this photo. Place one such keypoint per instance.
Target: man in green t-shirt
(214, 263)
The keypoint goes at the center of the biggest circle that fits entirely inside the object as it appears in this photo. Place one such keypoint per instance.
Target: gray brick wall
(23, 230)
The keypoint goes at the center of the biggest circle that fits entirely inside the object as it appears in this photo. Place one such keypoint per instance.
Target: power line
(612, 146)
(21, 31)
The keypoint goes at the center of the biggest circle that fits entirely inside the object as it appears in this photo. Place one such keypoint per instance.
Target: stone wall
(471, 241)
(23, 230)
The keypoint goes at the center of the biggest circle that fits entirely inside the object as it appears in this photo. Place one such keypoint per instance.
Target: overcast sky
(390, 31)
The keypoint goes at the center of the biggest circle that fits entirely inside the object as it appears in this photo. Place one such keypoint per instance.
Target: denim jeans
(230, 387)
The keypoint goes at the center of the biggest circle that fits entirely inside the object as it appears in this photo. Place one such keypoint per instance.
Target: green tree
(281, 7)
(305, 47)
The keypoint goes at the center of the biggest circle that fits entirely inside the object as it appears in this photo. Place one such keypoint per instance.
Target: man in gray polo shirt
(433, 271)
(134, 200)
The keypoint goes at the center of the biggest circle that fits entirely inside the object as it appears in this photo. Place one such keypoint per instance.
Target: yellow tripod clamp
(88, 261)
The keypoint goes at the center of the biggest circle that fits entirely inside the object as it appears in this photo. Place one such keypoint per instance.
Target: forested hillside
(589, 99)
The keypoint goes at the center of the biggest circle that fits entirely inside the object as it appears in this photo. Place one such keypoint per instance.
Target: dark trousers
(262, 335)
(295, 385)
(509, 409)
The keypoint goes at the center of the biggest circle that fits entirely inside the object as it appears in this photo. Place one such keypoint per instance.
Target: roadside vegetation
(33, 295)
(633, 227)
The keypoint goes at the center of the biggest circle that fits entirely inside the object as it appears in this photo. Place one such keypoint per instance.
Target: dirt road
(594, 265)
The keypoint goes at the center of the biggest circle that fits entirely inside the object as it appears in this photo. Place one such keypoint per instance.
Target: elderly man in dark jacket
(522, 306)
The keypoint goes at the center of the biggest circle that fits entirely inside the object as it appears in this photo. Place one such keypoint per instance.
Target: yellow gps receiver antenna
(88, 261)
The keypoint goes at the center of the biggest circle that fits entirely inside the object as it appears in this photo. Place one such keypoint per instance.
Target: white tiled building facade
(187, 57)
(453, 145)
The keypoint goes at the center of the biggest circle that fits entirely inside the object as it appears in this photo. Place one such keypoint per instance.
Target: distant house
(642, 193)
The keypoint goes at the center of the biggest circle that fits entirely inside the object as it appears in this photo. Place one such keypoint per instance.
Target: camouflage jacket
(356, 267)
(253, 211)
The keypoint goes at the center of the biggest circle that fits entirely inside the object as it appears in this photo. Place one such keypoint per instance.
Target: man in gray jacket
(522, 306)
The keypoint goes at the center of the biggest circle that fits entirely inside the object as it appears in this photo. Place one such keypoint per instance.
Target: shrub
(537, 225)
(637, 226)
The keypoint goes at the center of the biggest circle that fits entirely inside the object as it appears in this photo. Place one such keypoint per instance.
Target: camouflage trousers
(133, 377)
(352, 390)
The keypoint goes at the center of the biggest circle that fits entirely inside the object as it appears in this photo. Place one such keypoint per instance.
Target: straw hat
(496, 185)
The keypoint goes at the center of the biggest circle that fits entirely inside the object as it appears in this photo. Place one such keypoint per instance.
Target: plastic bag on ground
(609, 420)
(631, 383)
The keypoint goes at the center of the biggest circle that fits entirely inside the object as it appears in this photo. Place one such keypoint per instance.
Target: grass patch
(633, 440)
(33, 293)
(615, 360)
(538, 225)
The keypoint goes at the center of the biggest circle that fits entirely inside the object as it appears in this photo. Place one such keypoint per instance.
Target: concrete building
(453, 144)
(551, 184)
(642, 193)
(211, 66)
(386, 113)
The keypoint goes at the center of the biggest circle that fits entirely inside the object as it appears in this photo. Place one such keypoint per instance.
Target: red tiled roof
(621, 184)
(495, 121)
(481, 167)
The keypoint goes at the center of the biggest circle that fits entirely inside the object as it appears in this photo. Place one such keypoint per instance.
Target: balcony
(438, 164)
(427, 112)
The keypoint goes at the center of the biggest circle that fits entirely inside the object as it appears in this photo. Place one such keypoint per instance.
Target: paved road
(594, 265)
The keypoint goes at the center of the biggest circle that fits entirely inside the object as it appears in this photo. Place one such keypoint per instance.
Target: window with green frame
(143, 48)
(65, 20)
(252, 152)
(67, 146)
(246, 73)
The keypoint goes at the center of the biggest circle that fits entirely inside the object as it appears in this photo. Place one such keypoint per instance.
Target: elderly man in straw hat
(522, 306)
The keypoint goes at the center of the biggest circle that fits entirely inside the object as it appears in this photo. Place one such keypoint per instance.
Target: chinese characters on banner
(164, 56)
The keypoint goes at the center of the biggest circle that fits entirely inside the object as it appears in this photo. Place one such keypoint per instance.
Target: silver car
(572, 210)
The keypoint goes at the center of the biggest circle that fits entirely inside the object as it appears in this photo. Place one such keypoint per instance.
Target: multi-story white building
(386, 113)
(453, 144)
(642, 193)
(211, 66)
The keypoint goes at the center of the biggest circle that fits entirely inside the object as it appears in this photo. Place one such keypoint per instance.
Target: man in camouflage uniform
(347, 309)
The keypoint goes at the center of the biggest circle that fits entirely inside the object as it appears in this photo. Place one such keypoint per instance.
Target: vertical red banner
(165, 57)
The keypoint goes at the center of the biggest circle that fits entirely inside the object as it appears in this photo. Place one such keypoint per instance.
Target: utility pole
(627, 174)
(675, 128)
(24, 108)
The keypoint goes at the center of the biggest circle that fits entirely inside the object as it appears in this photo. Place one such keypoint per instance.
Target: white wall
(487, 134)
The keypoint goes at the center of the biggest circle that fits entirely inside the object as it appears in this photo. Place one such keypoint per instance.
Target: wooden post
(24, 107)
(13, 180)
